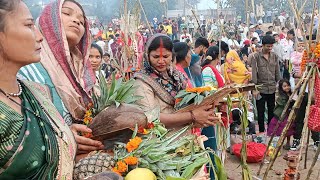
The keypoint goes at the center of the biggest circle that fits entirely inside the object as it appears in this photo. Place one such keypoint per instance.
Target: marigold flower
(198, 89)
(122, 166)
(178, 100)
(131, 160)
(133, 144)
(115, 170)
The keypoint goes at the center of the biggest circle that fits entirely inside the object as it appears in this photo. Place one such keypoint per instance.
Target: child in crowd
(284, 92)
(296, 58)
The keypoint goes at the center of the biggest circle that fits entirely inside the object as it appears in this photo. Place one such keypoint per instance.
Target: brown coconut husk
(115, 124)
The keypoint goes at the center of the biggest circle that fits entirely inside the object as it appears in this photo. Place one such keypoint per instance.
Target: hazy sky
(206, 4)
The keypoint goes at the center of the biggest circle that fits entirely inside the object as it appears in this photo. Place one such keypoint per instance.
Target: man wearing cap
(110, 32)
(287, 46)
(266, 74)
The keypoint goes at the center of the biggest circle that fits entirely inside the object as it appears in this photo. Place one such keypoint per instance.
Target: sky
(206, 4)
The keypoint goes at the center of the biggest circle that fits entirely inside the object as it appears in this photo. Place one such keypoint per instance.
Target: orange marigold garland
(133, 144)
(198, 89)
(304, 61)
(131, 160)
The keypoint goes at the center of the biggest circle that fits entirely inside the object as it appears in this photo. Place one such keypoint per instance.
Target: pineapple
(95, 163)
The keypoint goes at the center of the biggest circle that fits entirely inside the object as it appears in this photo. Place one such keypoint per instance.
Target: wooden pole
(295, 107)
(145, 16)
(307, 147)
(282, 117)
(305, 126)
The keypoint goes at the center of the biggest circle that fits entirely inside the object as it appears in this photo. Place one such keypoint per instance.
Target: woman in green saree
(35, 142)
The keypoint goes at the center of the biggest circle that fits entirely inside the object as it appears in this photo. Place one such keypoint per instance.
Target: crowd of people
(49, 71)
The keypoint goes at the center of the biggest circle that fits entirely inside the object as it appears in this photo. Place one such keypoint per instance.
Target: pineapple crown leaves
(116, 93)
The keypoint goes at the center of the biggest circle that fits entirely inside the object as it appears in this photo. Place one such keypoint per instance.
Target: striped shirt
(36, 73)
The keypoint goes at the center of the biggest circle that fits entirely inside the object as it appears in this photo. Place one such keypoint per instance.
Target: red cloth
(217, 74)
(314, 116)
(255, 151)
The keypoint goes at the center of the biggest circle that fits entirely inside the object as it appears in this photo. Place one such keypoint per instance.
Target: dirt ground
(234, 170)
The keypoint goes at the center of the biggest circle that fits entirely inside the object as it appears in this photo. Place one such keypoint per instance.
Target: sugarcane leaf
(168, 140)
(194, 167)
(219, 168)
(174, 175)
(160, 174)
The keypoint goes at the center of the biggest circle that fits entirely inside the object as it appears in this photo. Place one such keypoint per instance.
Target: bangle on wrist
(192, 117)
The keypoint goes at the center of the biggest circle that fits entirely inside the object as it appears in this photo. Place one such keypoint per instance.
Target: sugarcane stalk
(307, 147)
(297, 15)
(282, 117)
(246, 175)
(313, 163)
(302, 7)
(305, 126)
(291, 117)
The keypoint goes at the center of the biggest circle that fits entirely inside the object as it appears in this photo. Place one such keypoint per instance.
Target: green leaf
(193, 168)
(113, 85)
(117, 104)
(220, 170)
(168, 140)
(188, 98)
(175, 178)
(135, 131)
(181, 94)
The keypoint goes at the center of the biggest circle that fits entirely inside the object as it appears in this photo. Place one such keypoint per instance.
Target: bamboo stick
(305, 126)
(313, 163)
(318, 150)
(145, 16)
(298, 19)
(312, 21)
(307, 147)
(283, 115)
(302, 7)
(290, 120)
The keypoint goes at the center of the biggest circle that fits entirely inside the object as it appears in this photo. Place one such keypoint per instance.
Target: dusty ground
(234, 170)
